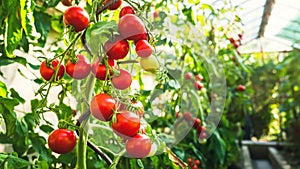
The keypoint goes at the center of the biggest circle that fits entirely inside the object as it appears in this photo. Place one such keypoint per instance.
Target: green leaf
(15, 94)
(46, 128)
(38, 144)
(3, 90)
(42, 24)
(4, 61)
(13, 162)
(20, 141)
(7, 112)
(13, 31)
(27, 19)
(98, 34)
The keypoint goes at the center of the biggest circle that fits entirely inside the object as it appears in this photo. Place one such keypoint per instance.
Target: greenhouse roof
(269, 25)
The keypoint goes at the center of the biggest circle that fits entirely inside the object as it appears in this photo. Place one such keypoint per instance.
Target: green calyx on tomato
(47, 71)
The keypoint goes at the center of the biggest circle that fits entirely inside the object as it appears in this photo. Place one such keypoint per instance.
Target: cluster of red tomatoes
(198, 78)
(196, 122)
(126, 124)
(236, 42)
(193, 163)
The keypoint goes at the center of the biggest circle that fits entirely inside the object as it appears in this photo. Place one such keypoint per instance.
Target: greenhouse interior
(143, 84)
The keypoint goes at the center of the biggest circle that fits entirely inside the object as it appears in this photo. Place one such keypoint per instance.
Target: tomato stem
(104, 7)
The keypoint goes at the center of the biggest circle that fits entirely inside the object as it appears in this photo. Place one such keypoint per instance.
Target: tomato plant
(62, 141)
(110, 120)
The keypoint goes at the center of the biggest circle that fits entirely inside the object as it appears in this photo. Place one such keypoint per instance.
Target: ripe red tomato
(188, 116)
(47, 72)
(197, 122)
(126, 10)
(62, 141)
(143, 48)
(241, 88)
(127, 124)
(99, 69)
(122, 81)
(117, 49)
(132, 28)
(79, 70)
(199, 77)
(102, 107)
(155, 14)
(76, 17)
(138, 146)
(66, 2)
(188, 75)
(198, 85)
(115, 5)
(197, 162)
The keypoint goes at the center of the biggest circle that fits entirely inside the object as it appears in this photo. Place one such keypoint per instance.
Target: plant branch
(97, 150)
(104, 7)
(85, 45)
(127, 61)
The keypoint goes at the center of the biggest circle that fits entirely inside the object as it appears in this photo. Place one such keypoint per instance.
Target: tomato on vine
(102, 107)
(126, 10)
(143, 48)
(132, 28)
(66, 2)
(127, 124)
(77, 17)
(122, 81)
(138, 146)
(99, 69)
(79, 70)
(47, 72)
(115, 5)
(62, 141)
(117, 49)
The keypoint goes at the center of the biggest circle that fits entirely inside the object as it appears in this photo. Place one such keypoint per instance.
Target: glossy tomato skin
(62, 141)
(132, 28)
(199, 77)
(47, 72)
(79, 70)
(241, 88)
(117, 49)
(126, 10)
(115, 5)
(102, 107)
(138, 146)
(123, 81)
(198, 85)
(99, 69)
(127, 124)
(66, 2)
(143, 48)
(188, 75)
(76, 17)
